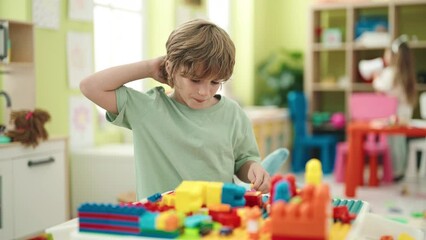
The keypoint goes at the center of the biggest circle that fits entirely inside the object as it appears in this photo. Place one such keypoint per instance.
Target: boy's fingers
(265, 186)
(258, 182)
(262, 184)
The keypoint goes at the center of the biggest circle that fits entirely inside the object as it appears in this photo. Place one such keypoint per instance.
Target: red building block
(253, 198)
(278, 177)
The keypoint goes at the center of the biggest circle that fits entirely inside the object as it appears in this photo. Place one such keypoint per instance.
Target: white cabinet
(101, 173)
(34, 188)
(6, 212)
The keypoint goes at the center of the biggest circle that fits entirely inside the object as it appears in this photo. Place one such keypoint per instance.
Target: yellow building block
(405, 236)
(313, 174)
(339, 231)
(160, 221)
(189, 196)
(168, 200)
(213, 193)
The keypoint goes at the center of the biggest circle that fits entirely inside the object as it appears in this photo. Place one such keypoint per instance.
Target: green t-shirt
(173, 142)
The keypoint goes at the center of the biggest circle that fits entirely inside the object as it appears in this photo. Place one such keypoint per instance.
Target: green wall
(15, 9)
(258, 28)
(279, 25)
(242, 32)
(51, 70)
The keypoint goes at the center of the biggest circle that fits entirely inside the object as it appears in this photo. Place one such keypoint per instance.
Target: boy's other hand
(260, 179)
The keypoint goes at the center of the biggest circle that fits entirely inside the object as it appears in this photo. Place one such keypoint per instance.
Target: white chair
(417, 145)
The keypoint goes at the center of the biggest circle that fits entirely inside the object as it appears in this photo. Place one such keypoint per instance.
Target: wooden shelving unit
(17, 74)
(326, 66)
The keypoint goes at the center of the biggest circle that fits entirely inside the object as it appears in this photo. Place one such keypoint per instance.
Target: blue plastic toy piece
(155, 197)
(233, 195)
(282, 191)
(196, 220)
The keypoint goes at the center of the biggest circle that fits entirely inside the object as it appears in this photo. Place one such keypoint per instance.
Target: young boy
(192, 133)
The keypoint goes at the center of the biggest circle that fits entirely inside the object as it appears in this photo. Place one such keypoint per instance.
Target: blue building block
(282, 191)
(147, 221)
(233, 195)
(155, 197)
(196, 220)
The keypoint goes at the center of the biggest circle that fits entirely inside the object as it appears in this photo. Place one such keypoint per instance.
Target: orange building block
(309, 219)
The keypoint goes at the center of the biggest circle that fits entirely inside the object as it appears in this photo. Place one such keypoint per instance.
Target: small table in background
(356, 132)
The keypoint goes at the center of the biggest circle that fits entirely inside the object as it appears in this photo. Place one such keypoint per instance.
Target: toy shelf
(333, 53)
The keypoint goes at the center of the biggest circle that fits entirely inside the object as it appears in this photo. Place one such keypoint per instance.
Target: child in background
(191, 133)
(398, 79)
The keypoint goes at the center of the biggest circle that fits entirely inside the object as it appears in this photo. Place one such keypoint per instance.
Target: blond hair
(199, 49)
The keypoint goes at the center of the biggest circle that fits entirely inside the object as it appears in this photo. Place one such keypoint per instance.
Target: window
(118, 34)
(218, 12)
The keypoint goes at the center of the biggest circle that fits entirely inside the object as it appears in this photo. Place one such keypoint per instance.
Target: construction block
(310, 219)
(155, 197)
(290, 178)
(282, 191)
(253, 216)
(220, 208)
(109, 218)
(213, 193)
(253, 198)
(405, 236)
(190, 233)
(149, 220)
(189, 196)
(195, 221)
(342, 214)
(313, 174)
(276, 178)
(230, 219)
(168, 221)
(339, 231)
(233, 195)
(156, 207)
(168, 200)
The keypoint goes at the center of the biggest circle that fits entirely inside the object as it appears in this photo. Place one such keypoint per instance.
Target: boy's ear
(168, 67)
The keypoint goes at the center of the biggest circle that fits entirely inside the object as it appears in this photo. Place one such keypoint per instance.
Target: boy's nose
(203, 90)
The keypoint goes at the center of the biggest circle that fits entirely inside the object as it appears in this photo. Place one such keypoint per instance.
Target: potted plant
(280, 73)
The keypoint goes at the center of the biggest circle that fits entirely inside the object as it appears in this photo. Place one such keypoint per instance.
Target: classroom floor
(401, 201)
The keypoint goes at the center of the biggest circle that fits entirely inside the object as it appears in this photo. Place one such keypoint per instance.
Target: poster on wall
(79, 57)
(81, 123)
(80, 10)
(46, 13)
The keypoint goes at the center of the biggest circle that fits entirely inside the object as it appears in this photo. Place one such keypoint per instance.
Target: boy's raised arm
(100, 87)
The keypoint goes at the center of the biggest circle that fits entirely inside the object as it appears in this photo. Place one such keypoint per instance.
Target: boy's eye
(195, 81)
(216, 83)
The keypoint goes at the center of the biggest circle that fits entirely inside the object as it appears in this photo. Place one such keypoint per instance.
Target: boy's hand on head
(156, 70)
(259, 178)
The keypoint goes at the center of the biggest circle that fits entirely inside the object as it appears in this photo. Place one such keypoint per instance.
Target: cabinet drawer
(39, 192)
(6, 200)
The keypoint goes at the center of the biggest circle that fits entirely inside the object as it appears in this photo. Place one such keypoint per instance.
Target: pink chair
(360, 110)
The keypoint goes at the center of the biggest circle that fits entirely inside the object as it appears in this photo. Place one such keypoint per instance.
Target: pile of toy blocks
(197, 209)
